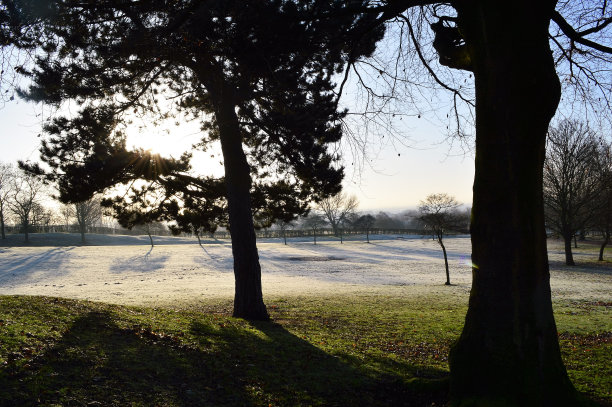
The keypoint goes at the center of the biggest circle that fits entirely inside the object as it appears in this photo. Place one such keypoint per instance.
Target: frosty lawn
(352, 322)
(130, 272)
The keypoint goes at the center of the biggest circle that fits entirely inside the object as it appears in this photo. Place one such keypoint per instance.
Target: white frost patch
(137, 274)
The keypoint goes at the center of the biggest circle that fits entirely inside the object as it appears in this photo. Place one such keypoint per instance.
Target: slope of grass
(333, 351)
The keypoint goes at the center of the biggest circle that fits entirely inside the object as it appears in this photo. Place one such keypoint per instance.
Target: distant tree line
(27, 206)
(578, 184)
(338, 216)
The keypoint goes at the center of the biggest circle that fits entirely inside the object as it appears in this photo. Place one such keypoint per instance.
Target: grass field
(326, 351)
(382, 345)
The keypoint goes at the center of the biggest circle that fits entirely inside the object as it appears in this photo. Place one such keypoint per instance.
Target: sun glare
(165, 145)
(167, 139)
(173, 143)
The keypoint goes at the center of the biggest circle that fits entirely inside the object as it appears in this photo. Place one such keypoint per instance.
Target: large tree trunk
(248, 298)
(508, 353)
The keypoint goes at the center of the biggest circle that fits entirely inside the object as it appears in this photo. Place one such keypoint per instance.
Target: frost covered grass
(353, 324)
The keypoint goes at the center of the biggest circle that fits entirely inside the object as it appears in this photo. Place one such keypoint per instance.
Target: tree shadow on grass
(19, 269)
(592, 266)
(292, 369)
(98, 363)
(142, 263)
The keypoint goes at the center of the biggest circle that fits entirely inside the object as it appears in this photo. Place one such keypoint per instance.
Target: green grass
(333, 351)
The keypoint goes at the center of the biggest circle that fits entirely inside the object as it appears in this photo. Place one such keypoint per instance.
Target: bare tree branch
(578, 37)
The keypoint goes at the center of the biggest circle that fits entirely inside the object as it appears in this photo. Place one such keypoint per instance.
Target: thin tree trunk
(82, 230)
(508, 352)
(150, 238)
(575, 242)
(199, 240)
(445, 261)
(248, 297)
(2, 224)
(368, 235)
(603, 245)
(569, 257)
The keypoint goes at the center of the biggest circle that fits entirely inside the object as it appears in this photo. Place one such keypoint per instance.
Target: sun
(173, 142)
(166, 139)
(164, 145)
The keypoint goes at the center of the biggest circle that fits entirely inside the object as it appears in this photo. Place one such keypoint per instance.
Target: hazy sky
(396, 176)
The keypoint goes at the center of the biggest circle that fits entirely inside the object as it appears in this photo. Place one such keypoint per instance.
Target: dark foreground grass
(335, 351)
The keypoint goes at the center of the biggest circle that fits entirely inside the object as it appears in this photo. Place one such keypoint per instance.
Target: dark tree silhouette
(314, 221)
(439, 214)
(514, 52)
(571, 180)
(198, 215)
(259, 75)
(603, 202)
(284, 226)
(365, 222)
(142, 209)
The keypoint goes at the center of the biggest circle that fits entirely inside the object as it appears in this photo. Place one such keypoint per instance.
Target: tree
(283, 226)
(571, 180)
(514, 52)
(337, 209)
(42, 218)
(27, 191)
(259, 75)
(440, 215)
(385, 221)
(67, 213)
(198, 216)
(314, 221)
(7, 174)
(365, 222)
(87, 214)
(141, 210)
(603, 202)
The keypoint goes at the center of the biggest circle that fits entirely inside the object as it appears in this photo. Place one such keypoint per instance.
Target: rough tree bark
(508, 353)
(248, 298)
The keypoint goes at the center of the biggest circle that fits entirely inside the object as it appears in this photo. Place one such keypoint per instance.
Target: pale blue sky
(426, 163)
